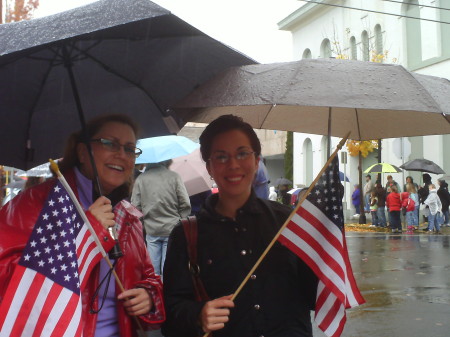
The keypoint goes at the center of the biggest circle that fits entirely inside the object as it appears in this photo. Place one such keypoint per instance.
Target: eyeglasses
(113, 146)
(222, 158)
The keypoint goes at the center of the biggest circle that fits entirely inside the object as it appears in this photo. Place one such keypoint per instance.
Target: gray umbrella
(127, 56)
(326, 96)
(422, 165)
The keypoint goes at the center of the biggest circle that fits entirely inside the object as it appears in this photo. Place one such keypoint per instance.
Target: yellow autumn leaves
(354, 147)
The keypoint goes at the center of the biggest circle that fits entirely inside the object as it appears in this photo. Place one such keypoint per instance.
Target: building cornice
(293, 19)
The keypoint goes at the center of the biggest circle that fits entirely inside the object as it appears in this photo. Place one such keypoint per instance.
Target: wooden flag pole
(263, 255)
(55, 169)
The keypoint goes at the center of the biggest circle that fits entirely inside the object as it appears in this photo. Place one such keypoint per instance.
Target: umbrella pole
(329, 134)
(68, 64)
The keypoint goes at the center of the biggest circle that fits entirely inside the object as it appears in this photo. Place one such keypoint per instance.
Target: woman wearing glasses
(234, 228)
(106, 309)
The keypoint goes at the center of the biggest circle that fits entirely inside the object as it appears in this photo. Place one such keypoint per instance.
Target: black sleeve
(182, 311)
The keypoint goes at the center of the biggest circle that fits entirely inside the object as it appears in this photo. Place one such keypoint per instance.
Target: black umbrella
(422, 165)
(127, 56)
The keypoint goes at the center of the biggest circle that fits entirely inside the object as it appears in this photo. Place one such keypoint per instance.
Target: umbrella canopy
(127, 56)
(382, 168)
(192, 170)
(368, 99)
(157, 149)
(42, 170)
(343, 177)
(297, 190)
(422, 165)
(282, 181)
(16, 184)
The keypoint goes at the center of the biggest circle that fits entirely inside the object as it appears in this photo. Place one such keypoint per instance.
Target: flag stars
(53, 236)
(68, 220)
(53, 270)
(55, 213)
(51, 203)
(37, 253)
(57, 246)
(47, 250)
(33, 243)
(27, 257)
(45, 217)
(66, 243)
(41, 263)
(64, 209)
(63, 267)
(60, 257)
(60, 200)
(39, 230)
(70, 254)
(50, 260)
(49, 227)
(57, 189)
(73, 264)
(62, 233)
(67, 278)
(59, 223)
(43, 239)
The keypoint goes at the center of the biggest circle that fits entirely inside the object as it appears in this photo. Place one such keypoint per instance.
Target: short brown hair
(223, 124)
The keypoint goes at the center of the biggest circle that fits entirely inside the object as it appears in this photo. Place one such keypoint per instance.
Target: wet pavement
(405, 280)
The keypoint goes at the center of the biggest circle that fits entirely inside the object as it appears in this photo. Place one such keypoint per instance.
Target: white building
(327, 29)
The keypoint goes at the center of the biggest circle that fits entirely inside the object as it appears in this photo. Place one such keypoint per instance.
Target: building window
(353, 50)
(307, 54)
(325, 49)
(378, 40)
(365, 46)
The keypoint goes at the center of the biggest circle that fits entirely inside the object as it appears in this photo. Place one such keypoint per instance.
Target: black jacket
(444, 196)
(274, 303)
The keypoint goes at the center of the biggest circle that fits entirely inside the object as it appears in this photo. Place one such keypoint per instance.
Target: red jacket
(407, 202)
(393, 202)
(17, 219)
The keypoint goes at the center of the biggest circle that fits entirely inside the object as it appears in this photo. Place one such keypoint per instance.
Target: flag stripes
(43, 295)
(315, 233)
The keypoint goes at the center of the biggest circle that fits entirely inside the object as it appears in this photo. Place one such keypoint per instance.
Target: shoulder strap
(191, 232)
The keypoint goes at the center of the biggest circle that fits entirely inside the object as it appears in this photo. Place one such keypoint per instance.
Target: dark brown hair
(223, 124)
(71, 160)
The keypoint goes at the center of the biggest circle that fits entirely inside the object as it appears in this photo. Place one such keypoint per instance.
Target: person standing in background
(381, 196)
(368, 188)
(394, 204)
(356, 200)
(161, 196)
(444, 196)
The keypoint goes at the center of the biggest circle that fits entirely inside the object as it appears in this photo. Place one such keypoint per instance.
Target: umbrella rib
(31, 111)
(113, 71)
(267, 115)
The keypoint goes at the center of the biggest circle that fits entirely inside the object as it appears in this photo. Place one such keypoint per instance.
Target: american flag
(316, 234)
(43, 296)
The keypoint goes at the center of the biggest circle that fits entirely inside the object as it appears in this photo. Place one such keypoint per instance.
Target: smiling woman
(234, 228)
(113, 140)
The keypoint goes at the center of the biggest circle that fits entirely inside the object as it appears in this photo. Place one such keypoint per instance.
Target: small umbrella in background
(192, 170)
(422, 165)
(383, 168)
(343, 177)
(42, 170)
(158, 149)
(282, 181)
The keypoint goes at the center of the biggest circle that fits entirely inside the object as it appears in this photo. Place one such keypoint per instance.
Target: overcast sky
(249, 26)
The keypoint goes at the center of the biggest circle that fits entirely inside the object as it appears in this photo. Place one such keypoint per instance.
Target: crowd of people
(403, 206)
